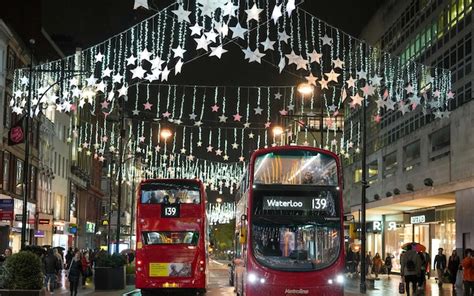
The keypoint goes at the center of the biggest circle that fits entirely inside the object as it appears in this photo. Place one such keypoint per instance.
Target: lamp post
(363, 285)
(26, 175)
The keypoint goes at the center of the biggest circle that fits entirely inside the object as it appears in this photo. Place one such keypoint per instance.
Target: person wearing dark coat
(74, 273)
(69, 256)
(51, 267)
(453, 266)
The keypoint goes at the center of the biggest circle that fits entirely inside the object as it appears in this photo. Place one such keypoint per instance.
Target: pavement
(389, 286)
(218, 286)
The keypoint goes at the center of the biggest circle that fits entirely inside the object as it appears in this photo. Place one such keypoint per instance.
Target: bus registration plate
(170, 211)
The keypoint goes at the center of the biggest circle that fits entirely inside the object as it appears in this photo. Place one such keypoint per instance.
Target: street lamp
(305, 88)
(277, 132)
(165, 134)
(218, 200)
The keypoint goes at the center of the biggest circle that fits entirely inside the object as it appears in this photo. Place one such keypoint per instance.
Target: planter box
(107, 278)
(130, 279)
(41, 292)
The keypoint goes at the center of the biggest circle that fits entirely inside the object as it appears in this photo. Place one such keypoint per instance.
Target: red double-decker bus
(289, 232)
(172, 237)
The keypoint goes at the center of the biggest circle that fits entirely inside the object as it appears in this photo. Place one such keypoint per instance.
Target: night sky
(87, 22)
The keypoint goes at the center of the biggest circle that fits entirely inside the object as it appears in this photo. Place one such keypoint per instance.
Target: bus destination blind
(296, 203)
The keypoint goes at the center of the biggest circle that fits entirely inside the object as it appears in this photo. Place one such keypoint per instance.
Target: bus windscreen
(165, 193)
(296, 167)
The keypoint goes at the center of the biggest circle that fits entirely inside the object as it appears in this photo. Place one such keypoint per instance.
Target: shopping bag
(459, 280)
(401, 288)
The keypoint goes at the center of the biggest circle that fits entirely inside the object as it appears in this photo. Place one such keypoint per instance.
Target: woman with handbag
(453, 266)
(74, 273)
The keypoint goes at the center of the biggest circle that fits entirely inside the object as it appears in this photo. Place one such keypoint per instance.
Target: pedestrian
(86, 268)
(7, 253)
(453, 267)
(411, 266)
(468, 267)
(368, 263)
(69, 257)
(61, 265)
(428, 263)
(51, 266)
(440, 266)
(388, 264)
(377, 265)
(422, 274)
(74, 273)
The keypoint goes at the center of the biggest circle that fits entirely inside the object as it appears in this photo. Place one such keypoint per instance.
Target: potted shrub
(21, 275)
(109, 272)
(130, 270)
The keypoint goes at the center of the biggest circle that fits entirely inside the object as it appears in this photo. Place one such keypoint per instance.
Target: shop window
(390, 164)
(440, 139)
(411, 155)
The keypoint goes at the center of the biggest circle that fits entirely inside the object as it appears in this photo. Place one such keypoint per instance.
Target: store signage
(19, 218)
(39, 233)
(16, 134)
(418, 219)
(392, 225)
(90, 227)
(6, 209)
(377, 226)
(423, 217)
(43, 221)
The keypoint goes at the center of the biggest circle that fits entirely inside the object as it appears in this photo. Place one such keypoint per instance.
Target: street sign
(6, 209)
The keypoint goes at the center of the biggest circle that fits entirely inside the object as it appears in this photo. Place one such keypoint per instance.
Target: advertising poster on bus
(170, 269)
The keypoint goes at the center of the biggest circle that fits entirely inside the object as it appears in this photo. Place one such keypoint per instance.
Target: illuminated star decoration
(147, 106)
(141, 3)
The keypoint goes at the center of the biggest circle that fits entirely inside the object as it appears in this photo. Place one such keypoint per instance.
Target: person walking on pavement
(411, 266)
(368, 264)
(377, 265)
(424, 264)
(453, 267)
(86, 268)
(388, 264)
(51, 266)
(440, 266)
(69, 257)
(468, 267)
(74, 273)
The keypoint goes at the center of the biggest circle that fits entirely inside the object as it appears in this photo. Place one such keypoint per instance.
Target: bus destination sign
(170, 211)
(295, 203)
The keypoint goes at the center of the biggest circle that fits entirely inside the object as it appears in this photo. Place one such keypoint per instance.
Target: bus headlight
(339, 279)
(252, 277)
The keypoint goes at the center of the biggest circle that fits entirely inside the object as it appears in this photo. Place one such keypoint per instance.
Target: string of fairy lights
(223, 124)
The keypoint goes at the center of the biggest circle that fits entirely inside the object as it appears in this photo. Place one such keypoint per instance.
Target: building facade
(420, 173)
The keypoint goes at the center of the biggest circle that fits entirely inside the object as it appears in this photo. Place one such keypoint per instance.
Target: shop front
(15, 237)
(433, 228)
(374, 237)
(44, 233)
(60, 235)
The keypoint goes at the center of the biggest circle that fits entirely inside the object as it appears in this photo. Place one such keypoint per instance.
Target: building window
(33, 183)
(6, 170)
(357, 175)
(411, 155)
(373, 170)
(390, 164)
(441, 139)
(19, 177)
